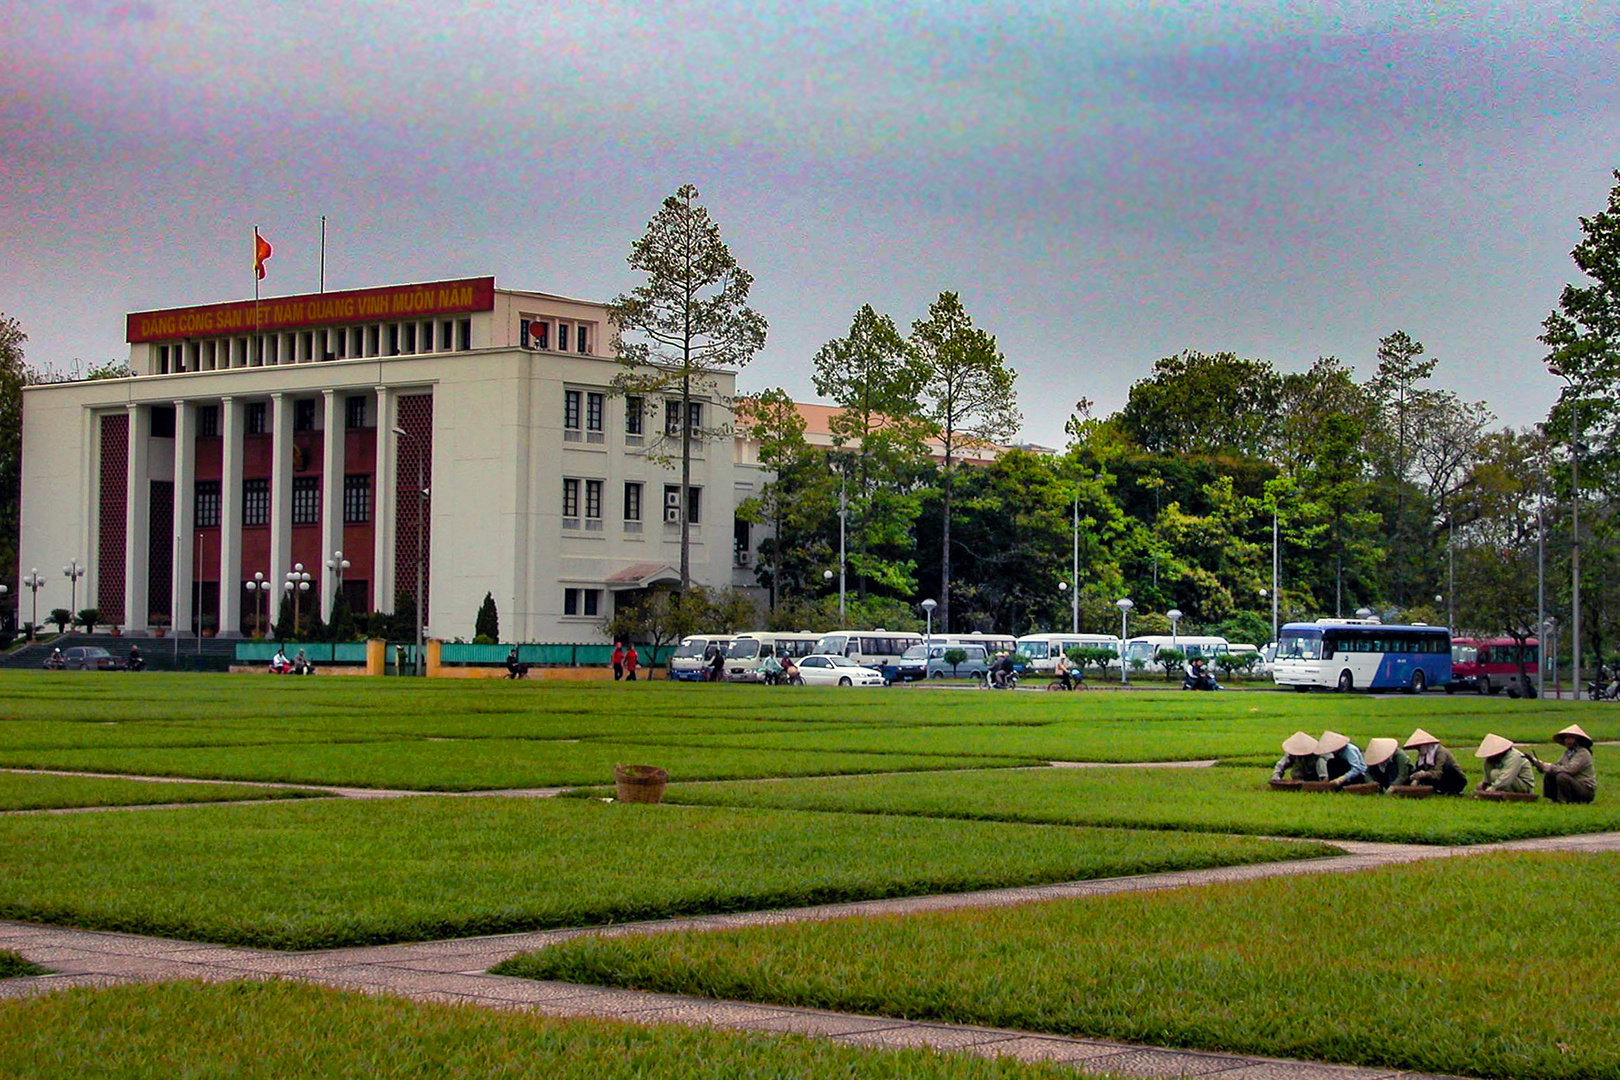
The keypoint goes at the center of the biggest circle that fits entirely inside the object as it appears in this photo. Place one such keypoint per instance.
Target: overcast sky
(1104, 183)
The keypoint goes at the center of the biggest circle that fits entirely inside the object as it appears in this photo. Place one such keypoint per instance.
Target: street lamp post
(35, 581)
(1074, 601)
(337, 564)
(421, 514)
(928, 607)
(261, 590)
(1124, 604)
(73, 572)
(1174, 615)
(297, 582)
(1574, 526)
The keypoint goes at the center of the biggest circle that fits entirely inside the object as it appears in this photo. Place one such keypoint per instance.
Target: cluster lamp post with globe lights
(73, 571)
(297, 582)
(1124, 604)
(337, 564)
(260, 588)
(34, 581)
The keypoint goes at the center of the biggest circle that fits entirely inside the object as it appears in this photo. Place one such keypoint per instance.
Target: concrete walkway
(457, 971)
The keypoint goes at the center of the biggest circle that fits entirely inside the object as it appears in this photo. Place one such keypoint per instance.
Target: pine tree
(488, 622)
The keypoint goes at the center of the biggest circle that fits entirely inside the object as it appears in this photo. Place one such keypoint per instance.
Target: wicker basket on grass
(1508, 796)
(640, 783)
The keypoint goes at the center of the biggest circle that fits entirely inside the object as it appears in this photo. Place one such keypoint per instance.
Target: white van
(691, 659)
(1044, 649)
(1146, 649)
(745, 658)
(878, 649)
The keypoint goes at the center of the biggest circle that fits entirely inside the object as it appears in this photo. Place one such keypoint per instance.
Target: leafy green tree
(875, 380)
(689, 320)
(488, 622)
(341, 626)
(953, 657)
(797, 503)
(286, 629)
(1198, 403)
(1171, 660)
(968, 399)
(658, 618)
(13, 377)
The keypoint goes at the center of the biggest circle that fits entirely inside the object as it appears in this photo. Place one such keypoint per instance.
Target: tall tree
(1397, 388)
(967, 395)
(13, 377)
(875, 379)
(1197, 403)
(796, 502)
(689, 320)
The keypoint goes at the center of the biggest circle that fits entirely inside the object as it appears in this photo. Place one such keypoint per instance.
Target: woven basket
(1508, 796)
(1285, 785)
(1412, 791)
(640, 783)
(1361, 789)
(1317, 785)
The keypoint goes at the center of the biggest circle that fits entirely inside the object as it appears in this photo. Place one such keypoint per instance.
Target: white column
(383, 504)
(137, 519)
(281, 448)
(185, 538)
(230, 517)
(332, 466)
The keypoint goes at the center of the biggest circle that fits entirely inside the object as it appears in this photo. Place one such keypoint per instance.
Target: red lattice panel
(114, 504)
(416, 417)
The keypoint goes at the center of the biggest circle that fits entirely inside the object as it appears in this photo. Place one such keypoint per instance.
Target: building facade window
(632, 501)
(207, 504)
(672, 503)
(632, 416)
(571, 415)
(694, 416)
(586, 602)
(356, 499)
(255, 502)
(304, 414)
(306, 500)
(593, 412)
(580, 339)
(562, 337)
(570, 506)
(593, 505)
(354, 411)
(539, 334)
(208, 420)
(254, 418)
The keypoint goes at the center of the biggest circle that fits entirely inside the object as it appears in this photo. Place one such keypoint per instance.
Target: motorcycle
(1199, 679)
(998, 680)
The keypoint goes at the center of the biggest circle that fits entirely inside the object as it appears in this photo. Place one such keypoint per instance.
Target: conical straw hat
(1492, 745)
(1299, 744)
(1575, 730)
(1420, 738)
(1331, 742)
(1381, 750)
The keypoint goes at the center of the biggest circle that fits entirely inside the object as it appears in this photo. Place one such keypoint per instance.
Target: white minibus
(748, 652)
(1146, 648)
(877, 649)
(691, 661)
(1043, 649)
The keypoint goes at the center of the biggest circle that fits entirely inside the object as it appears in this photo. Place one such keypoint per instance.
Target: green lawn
(34, 792)
(274, 1031)
(13, 966)
(314, 875)
(1499, 966)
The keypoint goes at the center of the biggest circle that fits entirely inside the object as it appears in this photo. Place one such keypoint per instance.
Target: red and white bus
(1491, 665)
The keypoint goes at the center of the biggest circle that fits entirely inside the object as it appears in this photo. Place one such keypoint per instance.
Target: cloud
(113, 12)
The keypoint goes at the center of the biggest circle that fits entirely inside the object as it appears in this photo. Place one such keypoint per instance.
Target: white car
(823, 670)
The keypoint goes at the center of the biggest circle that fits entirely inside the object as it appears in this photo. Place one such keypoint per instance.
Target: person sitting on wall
(301, 664)
(514, 668)
(1435, 767)
(1300, 759)
(1506, 769)
(1345, 765)
(1387, 763)
(1573, 777)
(279, 664)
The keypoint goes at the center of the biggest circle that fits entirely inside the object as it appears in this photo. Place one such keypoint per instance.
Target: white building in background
(256, 436)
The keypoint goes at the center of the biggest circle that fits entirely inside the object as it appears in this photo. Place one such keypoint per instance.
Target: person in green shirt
(1300, 759)
(1573, 777)
(1387, 763)
(1506, 769)
(1435, 767)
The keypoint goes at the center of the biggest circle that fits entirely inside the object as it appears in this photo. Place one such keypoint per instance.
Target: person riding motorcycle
(1003, 671)
(1198, 676)
(1064, 670)
(137, 662)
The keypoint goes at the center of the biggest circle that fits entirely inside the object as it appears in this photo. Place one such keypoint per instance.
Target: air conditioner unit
(672, 515)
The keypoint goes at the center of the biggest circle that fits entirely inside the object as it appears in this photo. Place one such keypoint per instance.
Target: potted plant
(159, 622)
(210, 625)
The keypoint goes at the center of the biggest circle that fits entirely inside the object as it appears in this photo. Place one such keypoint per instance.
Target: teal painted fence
(564, 655)
(319, 652)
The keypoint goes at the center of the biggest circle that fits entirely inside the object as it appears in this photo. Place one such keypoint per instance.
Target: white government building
(232, 452)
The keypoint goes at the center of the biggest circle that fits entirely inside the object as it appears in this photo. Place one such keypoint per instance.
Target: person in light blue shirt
(1345, 764)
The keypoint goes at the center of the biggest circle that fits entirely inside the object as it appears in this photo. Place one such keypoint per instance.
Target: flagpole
(258, 341)
(323, 253)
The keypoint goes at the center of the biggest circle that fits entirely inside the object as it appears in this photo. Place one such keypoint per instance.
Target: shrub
(954, 657)
(1171, 660)
(61, 617)
(88, 617)
(488, 622)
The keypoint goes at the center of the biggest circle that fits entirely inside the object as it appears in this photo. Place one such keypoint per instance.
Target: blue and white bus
(1362, 654)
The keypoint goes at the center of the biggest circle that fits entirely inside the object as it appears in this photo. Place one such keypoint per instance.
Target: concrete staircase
(169, 653)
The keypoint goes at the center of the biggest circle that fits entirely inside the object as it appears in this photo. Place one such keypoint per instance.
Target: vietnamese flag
(261, 252)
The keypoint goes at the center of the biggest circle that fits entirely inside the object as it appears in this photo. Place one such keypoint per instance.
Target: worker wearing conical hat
(1345, 764)
(1435, 766)
(1387, 763)
(1300, 759)
(1573, 777)
(1506, 769)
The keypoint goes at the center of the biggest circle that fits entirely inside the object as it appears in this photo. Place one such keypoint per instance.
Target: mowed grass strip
(1219, 800)
(475, 764)
(272, 1031)
(20, 791)
(315, 875)
(13, 966)
(1499, 966)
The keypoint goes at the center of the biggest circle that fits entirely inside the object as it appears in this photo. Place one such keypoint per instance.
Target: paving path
(457, 971)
